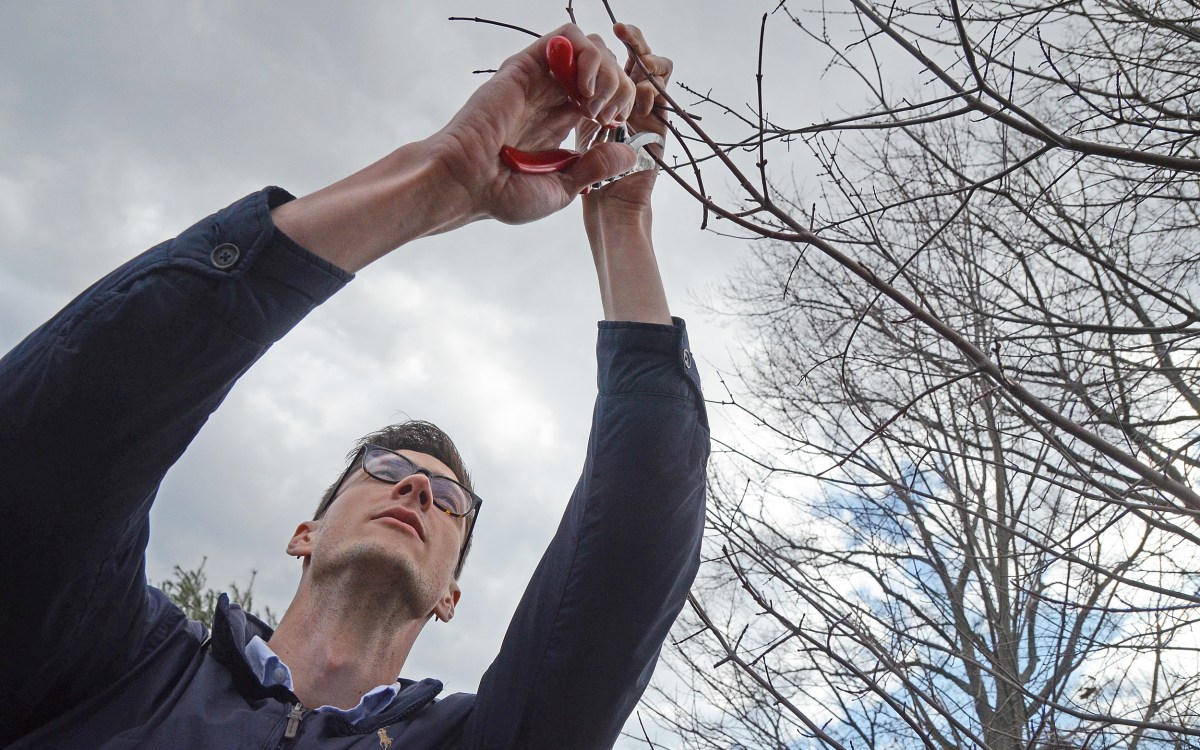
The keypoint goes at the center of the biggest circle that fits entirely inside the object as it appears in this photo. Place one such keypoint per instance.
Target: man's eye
(453, 498)
(385, 470)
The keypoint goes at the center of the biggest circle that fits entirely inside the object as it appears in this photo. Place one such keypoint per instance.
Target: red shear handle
(538, 162)
(560, 57)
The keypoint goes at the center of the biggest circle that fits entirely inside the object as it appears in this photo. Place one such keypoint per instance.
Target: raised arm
(618, 217)
(586, 636)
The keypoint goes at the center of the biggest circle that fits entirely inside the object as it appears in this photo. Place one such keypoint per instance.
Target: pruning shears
(560, 56)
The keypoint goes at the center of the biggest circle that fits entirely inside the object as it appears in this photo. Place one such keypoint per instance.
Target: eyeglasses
(449, 496)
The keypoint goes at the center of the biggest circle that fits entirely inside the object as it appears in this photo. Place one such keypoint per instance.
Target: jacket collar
(232, 629)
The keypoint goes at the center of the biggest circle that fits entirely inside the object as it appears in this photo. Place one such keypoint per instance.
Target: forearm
(402, 197)
(631, 286)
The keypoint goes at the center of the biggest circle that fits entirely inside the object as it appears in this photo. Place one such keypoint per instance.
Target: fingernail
(608, 114)
(593, 108)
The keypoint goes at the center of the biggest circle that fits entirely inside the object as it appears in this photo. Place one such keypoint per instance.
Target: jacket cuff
(239, 247)
(647, 358)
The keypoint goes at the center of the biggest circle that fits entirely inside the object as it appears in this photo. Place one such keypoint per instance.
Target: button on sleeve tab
(225, 256)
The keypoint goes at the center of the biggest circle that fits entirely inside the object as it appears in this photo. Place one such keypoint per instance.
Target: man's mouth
(404, 517)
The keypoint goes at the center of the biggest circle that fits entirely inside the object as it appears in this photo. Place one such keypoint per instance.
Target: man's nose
(414, 488)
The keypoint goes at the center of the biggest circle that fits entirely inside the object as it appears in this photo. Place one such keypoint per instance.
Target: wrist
(630, 285)
(420, 194)
(406, 195)
(620, 225)
(452, 194)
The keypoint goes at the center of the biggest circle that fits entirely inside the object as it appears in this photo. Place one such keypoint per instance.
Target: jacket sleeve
(95, 406)
(587, 633)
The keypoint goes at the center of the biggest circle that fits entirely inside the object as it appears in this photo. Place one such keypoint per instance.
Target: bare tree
(963, 509)
(922, 567)
(963, 513)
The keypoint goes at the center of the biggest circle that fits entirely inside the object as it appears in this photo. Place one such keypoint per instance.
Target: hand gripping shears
(560, 56)
(638, 142)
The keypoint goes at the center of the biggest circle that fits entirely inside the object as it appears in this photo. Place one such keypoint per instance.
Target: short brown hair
(413, 435)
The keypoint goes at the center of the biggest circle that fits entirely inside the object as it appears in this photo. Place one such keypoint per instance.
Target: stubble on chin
(376, 576)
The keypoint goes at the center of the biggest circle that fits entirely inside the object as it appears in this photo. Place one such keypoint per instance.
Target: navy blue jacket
(96, 405)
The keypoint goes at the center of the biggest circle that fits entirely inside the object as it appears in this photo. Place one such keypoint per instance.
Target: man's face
(389, 539)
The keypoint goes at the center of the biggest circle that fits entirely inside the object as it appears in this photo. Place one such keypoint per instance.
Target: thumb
(600, 162)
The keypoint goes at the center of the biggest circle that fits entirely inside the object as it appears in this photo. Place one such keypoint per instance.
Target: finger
(620, 104)
(596, 80)
(614, 90)
(585, 133)
(602, 161)
(588, 65)
(603, 83)
(606, 91)
(646, 96)
(644, 68)
(590, 52)
(656, 65)
(632, 37)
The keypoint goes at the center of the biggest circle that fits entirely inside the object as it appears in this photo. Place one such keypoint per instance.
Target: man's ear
(301, 543)
(444, 610)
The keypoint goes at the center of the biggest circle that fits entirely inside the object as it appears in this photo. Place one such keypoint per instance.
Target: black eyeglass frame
(360, 462)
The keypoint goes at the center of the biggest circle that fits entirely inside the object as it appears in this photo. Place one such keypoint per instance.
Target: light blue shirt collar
(271, 671)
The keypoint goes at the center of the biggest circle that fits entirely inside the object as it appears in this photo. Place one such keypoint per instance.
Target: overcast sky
(123, 123)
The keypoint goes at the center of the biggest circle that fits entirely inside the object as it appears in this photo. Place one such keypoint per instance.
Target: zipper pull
(293, 725)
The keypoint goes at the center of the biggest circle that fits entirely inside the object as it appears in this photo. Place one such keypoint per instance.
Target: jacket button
(225, 255)
(687, 359)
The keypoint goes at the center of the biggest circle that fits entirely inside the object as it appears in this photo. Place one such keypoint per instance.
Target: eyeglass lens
(393, 467)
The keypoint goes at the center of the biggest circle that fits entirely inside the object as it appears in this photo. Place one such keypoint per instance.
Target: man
(98, 403)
